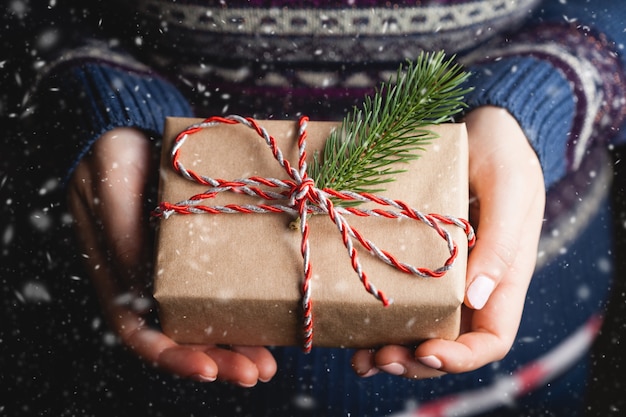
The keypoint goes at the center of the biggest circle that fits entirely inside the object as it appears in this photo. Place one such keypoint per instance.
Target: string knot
(304, 190)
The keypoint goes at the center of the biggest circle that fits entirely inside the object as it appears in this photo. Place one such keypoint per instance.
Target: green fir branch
(365, 151)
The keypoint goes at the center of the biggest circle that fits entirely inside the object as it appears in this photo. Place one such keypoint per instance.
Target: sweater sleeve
(563, 82)
(93, 89)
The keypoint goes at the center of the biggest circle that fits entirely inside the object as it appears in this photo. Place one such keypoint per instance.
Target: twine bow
(303, 198)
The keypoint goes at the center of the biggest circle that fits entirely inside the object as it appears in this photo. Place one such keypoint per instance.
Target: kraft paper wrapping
(236, 278)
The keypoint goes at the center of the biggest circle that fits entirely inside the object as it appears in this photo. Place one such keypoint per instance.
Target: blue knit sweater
(555, 66)
(562, 80)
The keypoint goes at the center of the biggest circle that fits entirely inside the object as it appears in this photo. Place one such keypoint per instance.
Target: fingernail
(369, 373)
(393, 368)
(264, 380)
(431, 361)
(203, 378)
(479, 291)
(244, 385)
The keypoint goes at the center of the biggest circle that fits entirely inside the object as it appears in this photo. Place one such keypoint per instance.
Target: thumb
(505, 223)
(490, 259)
(507, 182)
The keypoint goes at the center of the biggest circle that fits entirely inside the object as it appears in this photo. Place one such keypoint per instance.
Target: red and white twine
(301, 197)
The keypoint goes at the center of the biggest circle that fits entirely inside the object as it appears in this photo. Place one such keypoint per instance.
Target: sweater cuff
(538, 95)
(116, 97)
(91, 98)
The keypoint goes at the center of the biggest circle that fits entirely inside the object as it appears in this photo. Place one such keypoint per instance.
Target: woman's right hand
(107, 195)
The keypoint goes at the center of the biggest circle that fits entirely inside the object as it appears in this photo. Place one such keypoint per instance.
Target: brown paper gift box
(236, 278)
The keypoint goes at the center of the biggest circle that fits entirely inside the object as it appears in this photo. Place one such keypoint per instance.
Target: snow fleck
(117, 84)
(138, 304)
(141, 304)
(584, 292)
(48, 39)
(342, 286)
(35, 292)
(604, 265)
(304, 402)
(109, 339)
(569, 20)
(19, 8)
(48, 186)
(66, 219)
(96, 322)
(8, 234)
(40, 220)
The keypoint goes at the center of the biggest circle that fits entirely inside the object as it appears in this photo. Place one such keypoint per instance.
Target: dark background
(56, 355)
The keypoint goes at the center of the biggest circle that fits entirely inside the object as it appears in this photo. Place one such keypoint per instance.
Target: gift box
(237, 278)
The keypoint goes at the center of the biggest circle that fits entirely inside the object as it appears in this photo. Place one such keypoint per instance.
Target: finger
(234, 367)
(363, 363)
(165, 354)
(262, 358)
(400, 361)
(492, 329)
(478, 347)
(152, 346)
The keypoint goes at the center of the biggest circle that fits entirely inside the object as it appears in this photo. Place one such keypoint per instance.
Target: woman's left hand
(507, 184)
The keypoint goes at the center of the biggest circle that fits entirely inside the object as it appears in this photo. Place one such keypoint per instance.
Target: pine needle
(391, 127)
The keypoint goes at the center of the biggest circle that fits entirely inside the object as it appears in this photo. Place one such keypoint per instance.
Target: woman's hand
(107, 199)
(507, 187)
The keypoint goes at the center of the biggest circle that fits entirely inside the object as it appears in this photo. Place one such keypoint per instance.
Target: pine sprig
(364, 152)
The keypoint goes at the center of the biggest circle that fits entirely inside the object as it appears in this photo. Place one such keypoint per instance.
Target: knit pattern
(94, 97)
(263, 59)
(591, 66)
(328, 31)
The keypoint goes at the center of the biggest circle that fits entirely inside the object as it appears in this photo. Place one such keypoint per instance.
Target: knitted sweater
(563, 81)
(562, 78)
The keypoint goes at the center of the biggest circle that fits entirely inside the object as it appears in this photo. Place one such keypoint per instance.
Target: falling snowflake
(34, 292)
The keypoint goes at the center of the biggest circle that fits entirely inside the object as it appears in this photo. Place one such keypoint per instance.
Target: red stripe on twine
(304, 198)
